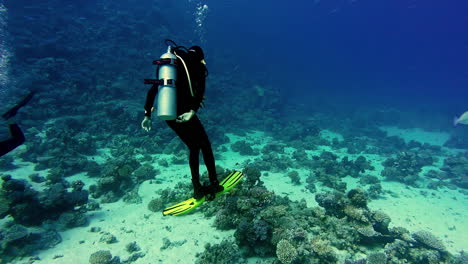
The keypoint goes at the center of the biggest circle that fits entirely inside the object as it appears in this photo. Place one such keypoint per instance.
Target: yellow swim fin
(188, 205)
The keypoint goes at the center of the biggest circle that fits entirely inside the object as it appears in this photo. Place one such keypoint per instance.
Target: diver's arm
(150, 99)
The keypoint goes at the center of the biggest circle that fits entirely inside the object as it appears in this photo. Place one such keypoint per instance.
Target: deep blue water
(396, 52)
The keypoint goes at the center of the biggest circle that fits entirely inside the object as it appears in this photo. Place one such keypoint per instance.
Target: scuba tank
(166, 74)
(167, 92)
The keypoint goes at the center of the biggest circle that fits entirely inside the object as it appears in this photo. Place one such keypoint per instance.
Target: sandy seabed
(443, 212)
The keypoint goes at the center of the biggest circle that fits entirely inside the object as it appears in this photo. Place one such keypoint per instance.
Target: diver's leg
(208, 157)
(184, 132)
(17, 138)
(205, 145)
(194, 162)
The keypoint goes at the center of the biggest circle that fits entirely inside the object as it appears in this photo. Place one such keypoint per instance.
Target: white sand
(444, 213)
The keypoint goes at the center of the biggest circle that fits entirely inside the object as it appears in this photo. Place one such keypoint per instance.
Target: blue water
(394, 52)
(297, 91)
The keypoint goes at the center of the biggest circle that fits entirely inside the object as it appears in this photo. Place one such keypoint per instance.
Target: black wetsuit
(17, 138)
(192, 132)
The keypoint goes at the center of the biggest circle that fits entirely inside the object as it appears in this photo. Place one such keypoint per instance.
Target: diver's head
(199, 55)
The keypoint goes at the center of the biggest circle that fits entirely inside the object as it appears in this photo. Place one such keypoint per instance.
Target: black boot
(198, 191)
(213, 189)
(214, 183)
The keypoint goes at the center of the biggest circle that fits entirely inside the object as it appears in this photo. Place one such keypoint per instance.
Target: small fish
(463, 119)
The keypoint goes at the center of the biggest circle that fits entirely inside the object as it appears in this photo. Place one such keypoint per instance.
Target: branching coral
(285, 252)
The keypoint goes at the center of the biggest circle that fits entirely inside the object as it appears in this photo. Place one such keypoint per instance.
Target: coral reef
(29, 207)
(456, 170)
(121, 177)
(294, 176)
(243, 148)
(132, 247)
(225, 252)
(19, 241)
(458, 139)
(271, 226)
(103, 257)
(429, 240)
(285, 252)
(329, 171)
(377, 258)
(406, 166)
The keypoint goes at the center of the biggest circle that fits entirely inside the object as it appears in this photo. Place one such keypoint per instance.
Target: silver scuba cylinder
(167, 92)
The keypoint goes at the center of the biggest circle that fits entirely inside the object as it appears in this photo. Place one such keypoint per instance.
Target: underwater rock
(15, 232)
(132, 247)
(134, 257)
(108, 238)
(36, 178)
(72, 219)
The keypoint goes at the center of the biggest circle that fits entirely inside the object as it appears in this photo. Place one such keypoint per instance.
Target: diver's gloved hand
(146, 123)
(185, 117)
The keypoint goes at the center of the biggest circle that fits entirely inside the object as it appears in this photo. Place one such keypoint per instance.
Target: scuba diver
(180, 86)
(16, 135)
